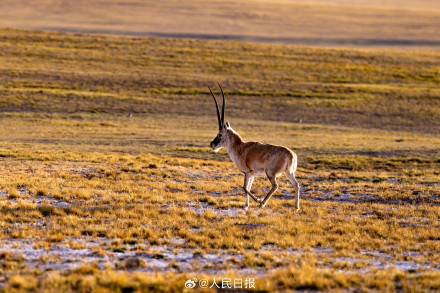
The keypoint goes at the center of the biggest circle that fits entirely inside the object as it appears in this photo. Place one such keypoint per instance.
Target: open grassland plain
(107, 182)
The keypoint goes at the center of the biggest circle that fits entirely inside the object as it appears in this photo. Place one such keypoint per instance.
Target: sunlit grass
(104, 147)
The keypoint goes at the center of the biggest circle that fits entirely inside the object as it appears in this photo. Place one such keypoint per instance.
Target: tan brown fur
(254, 158)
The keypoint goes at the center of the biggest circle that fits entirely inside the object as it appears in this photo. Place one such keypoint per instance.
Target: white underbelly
(259, 172)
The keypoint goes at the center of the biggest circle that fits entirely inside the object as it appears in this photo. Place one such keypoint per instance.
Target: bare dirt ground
(368, 24)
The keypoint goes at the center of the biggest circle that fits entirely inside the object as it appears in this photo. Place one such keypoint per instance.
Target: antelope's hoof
(262, 205)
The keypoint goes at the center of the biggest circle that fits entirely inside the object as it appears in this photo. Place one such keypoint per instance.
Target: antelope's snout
(214, 144)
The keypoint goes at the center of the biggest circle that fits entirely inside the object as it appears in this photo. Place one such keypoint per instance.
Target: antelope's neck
(233, 146)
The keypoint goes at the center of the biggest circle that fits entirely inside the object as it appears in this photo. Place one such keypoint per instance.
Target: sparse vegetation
(92, 197)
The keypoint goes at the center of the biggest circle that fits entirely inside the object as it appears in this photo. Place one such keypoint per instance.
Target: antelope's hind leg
(273, 180)
(292, 179)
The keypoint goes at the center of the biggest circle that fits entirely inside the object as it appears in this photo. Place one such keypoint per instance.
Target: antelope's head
(221, 138)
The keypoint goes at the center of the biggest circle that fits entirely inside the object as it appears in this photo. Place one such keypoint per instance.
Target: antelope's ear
(227, 125)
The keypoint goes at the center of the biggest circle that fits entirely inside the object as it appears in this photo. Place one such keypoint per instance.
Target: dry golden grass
(94, 199)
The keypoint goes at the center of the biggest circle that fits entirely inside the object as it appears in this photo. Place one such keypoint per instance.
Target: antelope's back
(260, 157)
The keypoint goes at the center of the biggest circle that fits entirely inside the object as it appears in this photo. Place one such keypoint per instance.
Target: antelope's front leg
(248, 180)
(251, 181)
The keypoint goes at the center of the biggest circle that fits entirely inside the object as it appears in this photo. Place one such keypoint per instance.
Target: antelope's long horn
(220, 124)
(223, 108)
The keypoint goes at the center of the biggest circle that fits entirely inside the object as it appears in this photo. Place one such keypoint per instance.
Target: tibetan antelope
(254, 158)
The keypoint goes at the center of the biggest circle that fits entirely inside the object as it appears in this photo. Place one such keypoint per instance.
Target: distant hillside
(342, 23)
